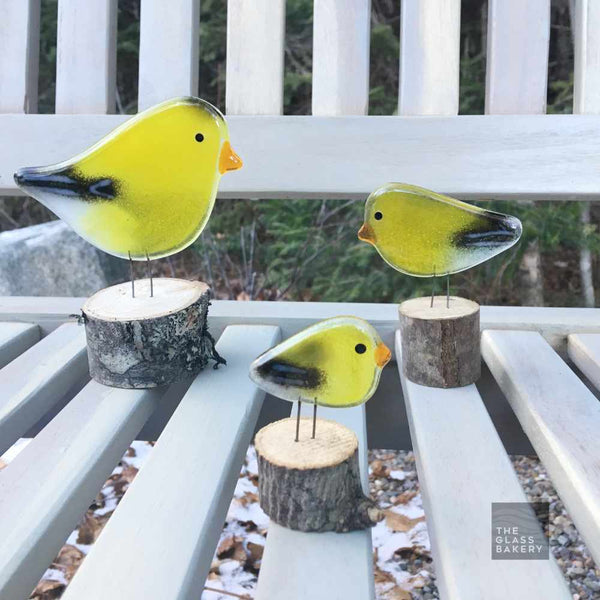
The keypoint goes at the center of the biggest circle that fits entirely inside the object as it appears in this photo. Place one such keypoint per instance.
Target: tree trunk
(530, 276)
(585, 262)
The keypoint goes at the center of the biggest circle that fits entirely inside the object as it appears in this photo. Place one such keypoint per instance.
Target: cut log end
(148, 341)
(313, 484)
(440, 344)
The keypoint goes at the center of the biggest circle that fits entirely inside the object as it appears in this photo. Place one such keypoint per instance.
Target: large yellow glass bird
(147, 189)
(336, 362)
(421, 233)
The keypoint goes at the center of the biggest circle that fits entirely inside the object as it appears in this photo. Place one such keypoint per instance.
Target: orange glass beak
(229, 160)
(382, 355)
(366, 234)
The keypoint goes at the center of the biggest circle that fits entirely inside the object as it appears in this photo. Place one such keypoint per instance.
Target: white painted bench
(515, 151)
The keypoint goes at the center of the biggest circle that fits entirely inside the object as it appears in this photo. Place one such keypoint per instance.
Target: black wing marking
(489, 232)
(103, 188)
(288, 375)
(68, 183)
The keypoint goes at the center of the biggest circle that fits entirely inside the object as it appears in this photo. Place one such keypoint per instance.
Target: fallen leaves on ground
(48, 589)
(399, 522)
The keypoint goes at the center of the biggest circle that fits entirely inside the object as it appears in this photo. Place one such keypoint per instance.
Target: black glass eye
(378, 216)
(199, 137)
(360, 348)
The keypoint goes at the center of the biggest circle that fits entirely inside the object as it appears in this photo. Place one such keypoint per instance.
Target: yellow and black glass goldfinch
(421, 233)
(336, 362)
(147, 189)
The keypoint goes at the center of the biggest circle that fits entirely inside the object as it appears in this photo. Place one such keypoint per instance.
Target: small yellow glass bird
(336, 362)
(421, 233)
(147, 189)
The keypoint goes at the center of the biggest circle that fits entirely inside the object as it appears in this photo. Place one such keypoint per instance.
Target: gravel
(415, 565)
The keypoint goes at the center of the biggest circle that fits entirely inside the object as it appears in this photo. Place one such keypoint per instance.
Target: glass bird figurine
(336, 362)
(424, 234)
(147, 189)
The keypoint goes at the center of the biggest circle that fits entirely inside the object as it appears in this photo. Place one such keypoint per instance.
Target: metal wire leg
(131, 275)
(314, 420)
(298, 422)
(447, 290)
(149, 273)
(432, 288)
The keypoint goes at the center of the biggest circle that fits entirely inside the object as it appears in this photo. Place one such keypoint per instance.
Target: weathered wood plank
(19, 55)
(586, 84)
(560, 416)
(555, 324)
(511, 157)
(341, 42)
(169, 35)
(50, 484)
(517, 56)
(254, 76)
(207, 438)
(15, 338)
(429, 58)
(584, 351)
(327, 566)
(86, 56)
(447, 425)
(35, 381)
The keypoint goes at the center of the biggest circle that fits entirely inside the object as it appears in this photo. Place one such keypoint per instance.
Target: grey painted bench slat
(50, 484)
(15, 338)
(554, 323)
(174, 511)
(35, 381)
(324, 566)
(584, 351)
(463, 468)
(494, 156)
(560, 416)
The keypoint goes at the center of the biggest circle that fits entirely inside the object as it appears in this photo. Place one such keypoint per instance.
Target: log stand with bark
(312, 484)
(440, 344)
(144, 341)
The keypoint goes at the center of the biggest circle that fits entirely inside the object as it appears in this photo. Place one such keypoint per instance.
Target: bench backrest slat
(336, 152)
(255, 39)
(341, 41)
(517, 55)
(586, 92)
(169, 50)
(19, 55)
(86, 56)
(429, 57)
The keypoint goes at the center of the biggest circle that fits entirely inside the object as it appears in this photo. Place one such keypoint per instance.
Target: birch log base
(312, 484)
(144, 341)
(440, 344)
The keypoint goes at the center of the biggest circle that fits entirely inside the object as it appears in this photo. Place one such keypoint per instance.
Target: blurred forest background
(307, 249)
